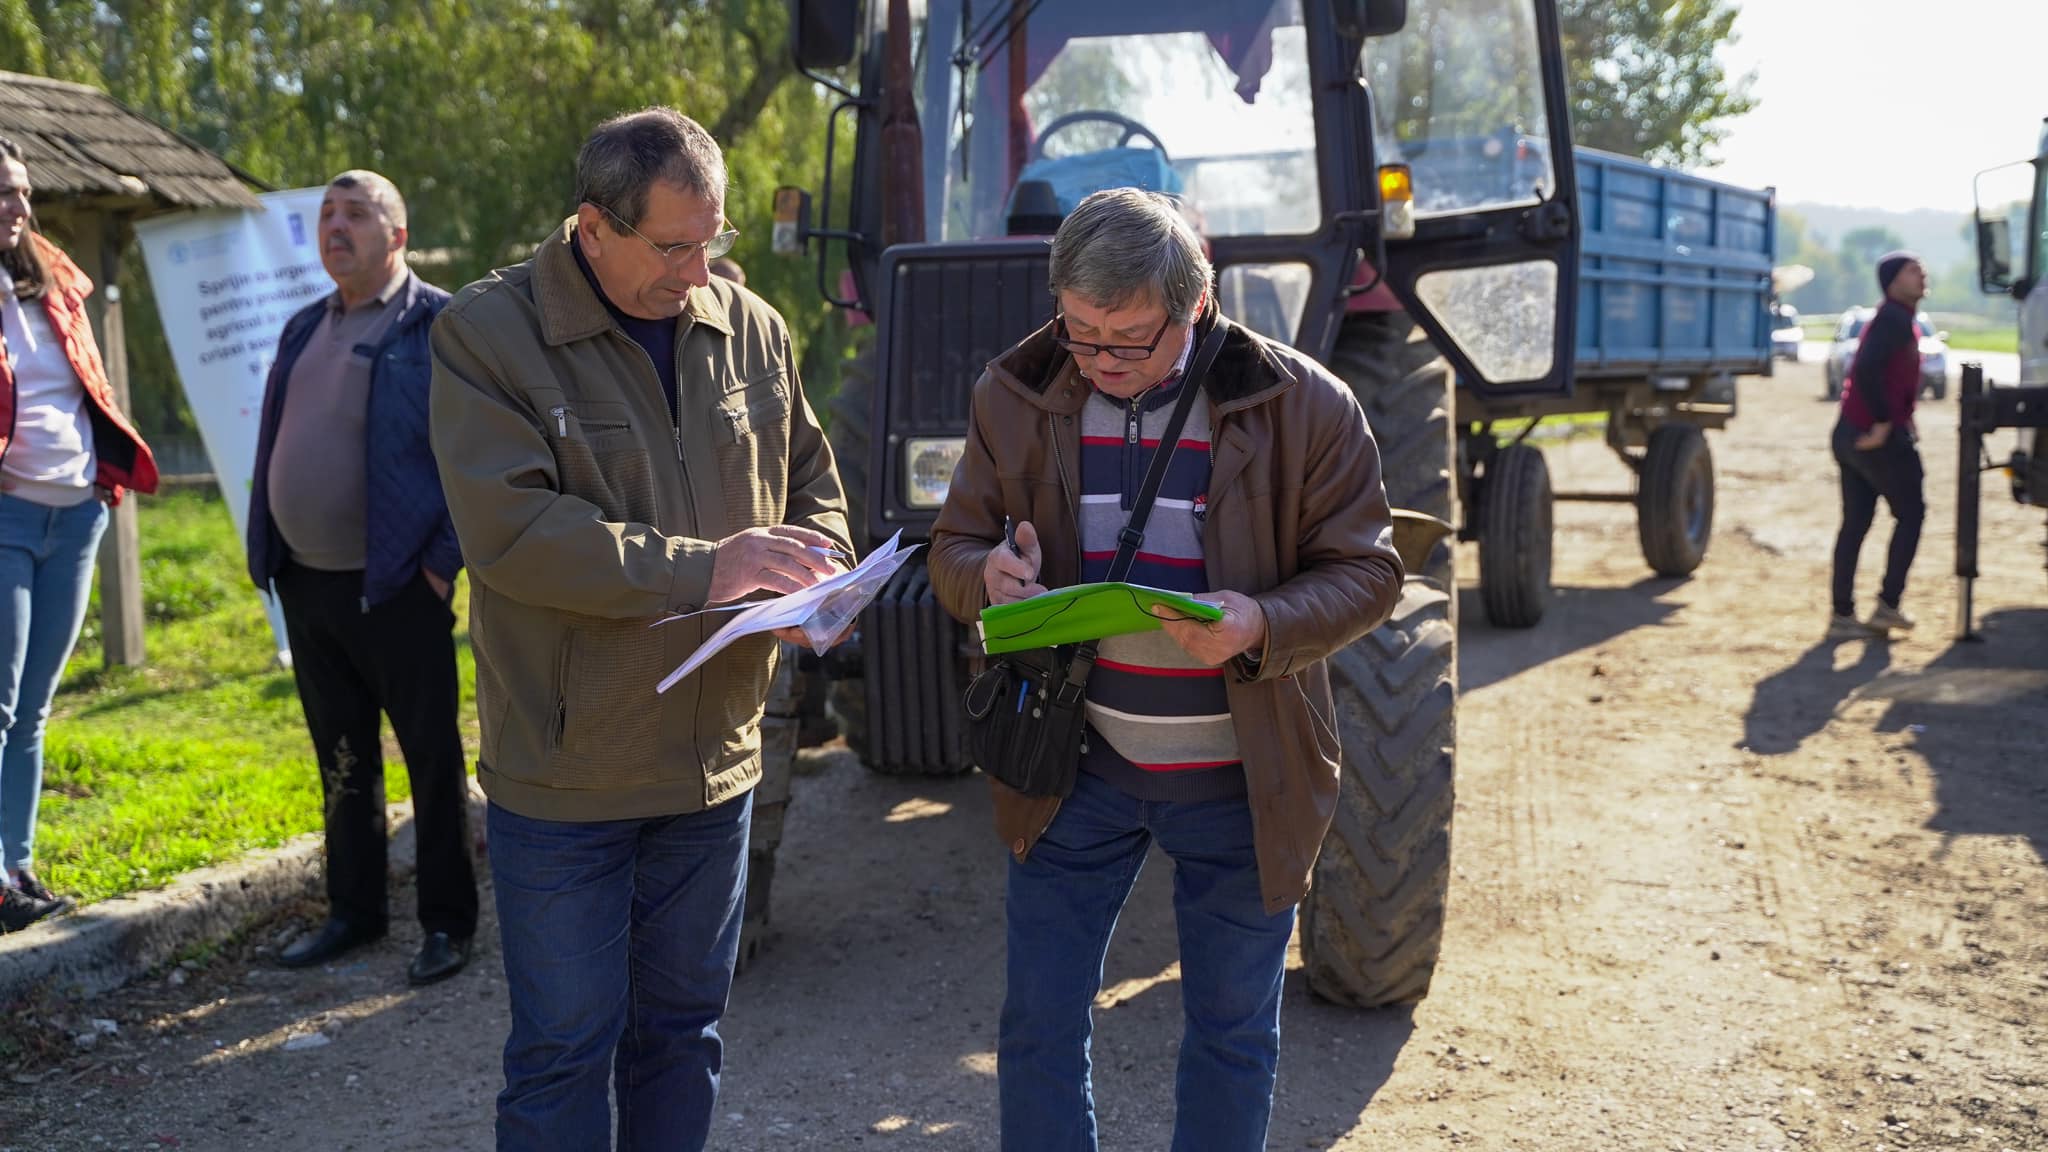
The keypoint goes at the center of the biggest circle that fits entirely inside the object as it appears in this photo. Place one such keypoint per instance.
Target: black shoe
(440, 957)
(334, 938)
(36, 888)
(19, 909)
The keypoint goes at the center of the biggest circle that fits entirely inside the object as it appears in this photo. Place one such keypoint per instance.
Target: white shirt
(50, 460)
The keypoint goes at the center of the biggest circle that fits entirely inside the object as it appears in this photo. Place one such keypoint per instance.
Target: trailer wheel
(1372, 925)
(771, 800)
(1675, 500)
(1514, 537)
(852, 410)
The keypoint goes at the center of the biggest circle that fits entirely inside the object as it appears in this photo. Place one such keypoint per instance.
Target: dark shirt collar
(632, 324)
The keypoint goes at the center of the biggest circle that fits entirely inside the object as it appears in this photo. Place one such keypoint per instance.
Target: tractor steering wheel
(1131, 129)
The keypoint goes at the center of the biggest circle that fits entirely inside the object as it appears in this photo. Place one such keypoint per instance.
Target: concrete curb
(105, 945)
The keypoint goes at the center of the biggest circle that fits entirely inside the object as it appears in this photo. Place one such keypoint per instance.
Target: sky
(1893, 104)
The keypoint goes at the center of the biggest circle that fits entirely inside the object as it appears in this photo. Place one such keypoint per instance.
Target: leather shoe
(334, 938)
(440, 957)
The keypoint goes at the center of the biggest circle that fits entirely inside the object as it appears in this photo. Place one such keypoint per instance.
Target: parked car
(1849, 333)
(1786, 333)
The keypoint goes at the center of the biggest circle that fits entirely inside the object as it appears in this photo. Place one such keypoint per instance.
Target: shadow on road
(1577, 618)
(1798, 700)
(1978, 714)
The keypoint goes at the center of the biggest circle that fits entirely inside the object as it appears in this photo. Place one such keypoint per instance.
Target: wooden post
(102, 237)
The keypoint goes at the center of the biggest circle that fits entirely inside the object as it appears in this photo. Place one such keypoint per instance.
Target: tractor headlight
(928, 469)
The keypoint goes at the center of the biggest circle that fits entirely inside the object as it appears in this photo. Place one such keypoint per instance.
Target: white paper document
(824, 610)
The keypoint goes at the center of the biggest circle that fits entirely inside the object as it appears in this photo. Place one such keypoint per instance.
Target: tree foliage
(474, 108)
(1644, 78)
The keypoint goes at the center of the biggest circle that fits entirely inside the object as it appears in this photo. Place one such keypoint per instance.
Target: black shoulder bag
(1027, 712)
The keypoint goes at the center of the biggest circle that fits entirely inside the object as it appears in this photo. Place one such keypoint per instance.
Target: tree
(1862, 248)
(1644, 79)
(475, 109)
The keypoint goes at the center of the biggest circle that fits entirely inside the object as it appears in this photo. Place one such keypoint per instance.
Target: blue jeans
(46, 564)
(620, 939)
(1062, 906)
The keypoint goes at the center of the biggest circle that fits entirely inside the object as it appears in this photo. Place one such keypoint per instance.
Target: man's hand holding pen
(1011, 571)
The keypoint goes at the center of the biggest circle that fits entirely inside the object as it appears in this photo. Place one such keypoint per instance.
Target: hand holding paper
(821, 612)
(1242, 628)
(780, 558)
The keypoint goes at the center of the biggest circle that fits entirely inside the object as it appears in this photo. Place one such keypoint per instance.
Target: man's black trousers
(397, 658)
(1890, 471)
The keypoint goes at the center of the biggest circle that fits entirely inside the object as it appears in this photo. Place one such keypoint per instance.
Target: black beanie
(1890, 265)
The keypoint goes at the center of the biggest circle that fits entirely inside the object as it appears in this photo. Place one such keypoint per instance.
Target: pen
(833, 554)
(1010, 536)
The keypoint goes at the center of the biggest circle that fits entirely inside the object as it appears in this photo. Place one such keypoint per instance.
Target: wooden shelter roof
(83, 145)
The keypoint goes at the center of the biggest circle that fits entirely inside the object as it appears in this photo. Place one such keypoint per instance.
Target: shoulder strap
(1133, 533)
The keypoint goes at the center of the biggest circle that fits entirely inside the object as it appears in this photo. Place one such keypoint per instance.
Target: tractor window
(1266, 298)
(1208, 101)
(1458, 96)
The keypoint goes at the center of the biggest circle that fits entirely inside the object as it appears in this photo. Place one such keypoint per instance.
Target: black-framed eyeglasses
(1120, 351)
(713, 248)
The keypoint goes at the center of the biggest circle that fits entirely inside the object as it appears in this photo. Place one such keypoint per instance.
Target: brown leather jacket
(1298, 520)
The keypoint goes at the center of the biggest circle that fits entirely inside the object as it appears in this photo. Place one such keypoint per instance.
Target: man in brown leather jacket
(1216, 741)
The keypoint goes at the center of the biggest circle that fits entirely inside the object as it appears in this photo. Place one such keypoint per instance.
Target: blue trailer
(1674, 301)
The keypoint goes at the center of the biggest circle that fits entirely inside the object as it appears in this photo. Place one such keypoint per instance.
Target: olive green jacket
(587, 515)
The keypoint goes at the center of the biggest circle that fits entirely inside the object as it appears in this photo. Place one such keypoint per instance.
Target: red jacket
(1884, 379)
(124, 460)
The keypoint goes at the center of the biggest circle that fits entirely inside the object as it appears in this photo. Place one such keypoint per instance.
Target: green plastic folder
(1084, 612)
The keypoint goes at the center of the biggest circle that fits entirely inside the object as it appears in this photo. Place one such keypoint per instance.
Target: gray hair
(1124, 244)
(383, 193)
(626, 154)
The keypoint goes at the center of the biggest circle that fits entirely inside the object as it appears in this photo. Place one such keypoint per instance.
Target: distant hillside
(1939, 237)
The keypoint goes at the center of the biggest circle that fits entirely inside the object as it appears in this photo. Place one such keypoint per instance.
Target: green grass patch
(202, 753)
(2005, 340)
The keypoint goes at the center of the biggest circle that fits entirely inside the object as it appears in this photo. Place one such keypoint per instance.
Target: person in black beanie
(1874, 444)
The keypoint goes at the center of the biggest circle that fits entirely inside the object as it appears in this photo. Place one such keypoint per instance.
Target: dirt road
(1719, 885)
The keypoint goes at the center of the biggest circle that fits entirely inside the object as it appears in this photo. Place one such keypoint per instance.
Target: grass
(1986, 340)
(201, 754)
(1960, 339)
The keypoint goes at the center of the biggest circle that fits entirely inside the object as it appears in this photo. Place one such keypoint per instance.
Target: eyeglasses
(713, 248)
(1081, 348)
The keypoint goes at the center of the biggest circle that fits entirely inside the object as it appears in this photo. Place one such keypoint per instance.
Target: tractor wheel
(1675, 500)
(771, 799)
(1514, 537)
(1372, 925)
(852, 410)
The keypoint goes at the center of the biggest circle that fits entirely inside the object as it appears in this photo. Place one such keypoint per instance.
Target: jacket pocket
(610, 730)
(751, 429)
(601, 458)
(558, 724)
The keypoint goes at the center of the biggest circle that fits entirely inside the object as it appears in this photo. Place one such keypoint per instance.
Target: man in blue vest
(348, 524)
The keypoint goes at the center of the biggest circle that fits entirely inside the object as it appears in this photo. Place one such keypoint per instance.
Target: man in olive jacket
(622, 437)
(1216, 741)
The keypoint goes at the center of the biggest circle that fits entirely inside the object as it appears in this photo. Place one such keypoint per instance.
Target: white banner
(225, 284)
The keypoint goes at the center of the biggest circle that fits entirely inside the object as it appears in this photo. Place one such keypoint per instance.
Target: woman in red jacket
(66, 453)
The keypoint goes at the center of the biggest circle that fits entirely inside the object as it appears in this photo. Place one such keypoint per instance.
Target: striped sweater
(1160, 722)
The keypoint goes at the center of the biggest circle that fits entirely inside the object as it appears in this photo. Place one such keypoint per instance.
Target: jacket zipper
(1134, 447)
